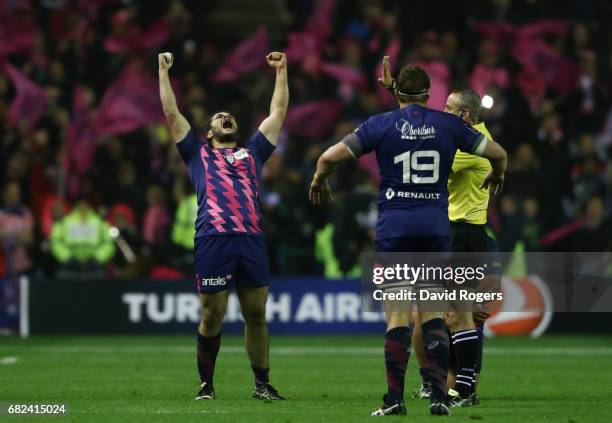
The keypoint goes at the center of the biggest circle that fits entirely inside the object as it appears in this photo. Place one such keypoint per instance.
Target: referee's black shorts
(472, 238)
(469, 237)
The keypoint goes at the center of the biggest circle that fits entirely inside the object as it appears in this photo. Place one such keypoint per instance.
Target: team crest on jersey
(241, 154)
(238, 155)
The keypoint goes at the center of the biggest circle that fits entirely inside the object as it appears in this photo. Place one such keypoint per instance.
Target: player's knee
(397, 319)
(426, 316)
(254, 316)
(212, 319)
(450, 319)
(462, 321)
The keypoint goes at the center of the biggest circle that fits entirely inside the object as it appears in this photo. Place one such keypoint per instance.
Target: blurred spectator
(596, 233)
(183, 228)
(156, 223)
(16, 231)
(531, 227)
(81, 242)
(551, 90)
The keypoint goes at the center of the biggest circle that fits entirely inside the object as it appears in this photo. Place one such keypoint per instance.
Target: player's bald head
(412, 84)
(465, 100)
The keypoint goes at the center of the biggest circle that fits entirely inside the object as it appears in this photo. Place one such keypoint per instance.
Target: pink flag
(247, 56)
(137, 40)
(82, 137)
(484, 76)
(385, 98)
(535, 54)
(313, 119)
(345, 74)
(499, 32)
(129, 103)
(30, 101)
(320, 22)
(300, 45)
(17, 34)
(439, 76)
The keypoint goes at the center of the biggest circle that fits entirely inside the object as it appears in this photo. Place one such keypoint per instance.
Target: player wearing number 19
(415, 147)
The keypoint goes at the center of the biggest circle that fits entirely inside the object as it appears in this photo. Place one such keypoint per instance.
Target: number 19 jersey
(415, 147)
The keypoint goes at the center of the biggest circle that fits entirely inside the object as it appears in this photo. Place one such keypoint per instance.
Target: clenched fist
(165, 60)
(277, 60)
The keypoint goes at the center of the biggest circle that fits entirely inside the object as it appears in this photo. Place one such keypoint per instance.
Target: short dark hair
(412, 83)
(470, 100)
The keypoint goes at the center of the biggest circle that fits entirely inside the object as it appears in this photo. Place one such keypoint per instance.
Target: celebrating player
(230, 250)
(467, 211)
(415, 147)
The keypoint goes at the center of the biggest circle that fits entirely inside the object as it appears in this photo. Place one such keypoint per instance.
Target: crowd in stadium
(83, 148)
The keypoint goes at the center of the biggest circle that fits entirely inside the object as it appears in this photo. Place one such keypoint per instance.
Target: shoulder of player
(381, 118)
(443, 119)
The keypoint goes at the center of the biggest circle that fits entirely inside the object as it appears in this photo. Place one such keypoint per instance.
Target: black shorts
(469, 238)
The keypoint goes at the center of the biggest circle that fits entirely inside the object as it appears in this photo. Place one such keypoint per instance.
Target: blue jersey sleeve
(189, 146)
(260, 146)
(367, 137)
(469, 139)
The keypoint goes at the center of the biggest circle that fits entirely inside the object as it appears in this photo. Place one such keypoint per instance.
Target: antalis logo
(217, 281)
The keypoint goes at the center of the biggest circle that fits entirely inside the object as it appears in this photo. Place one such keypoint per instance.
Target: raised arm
(272, 125)
(176, 121)
(326, 166)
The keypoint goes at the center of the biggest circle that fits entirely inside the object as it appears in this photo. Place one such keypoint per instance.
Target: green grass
(554, 379)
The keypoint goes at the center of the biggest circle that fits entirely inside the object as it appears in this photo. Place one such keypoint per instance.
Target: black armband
(352, 143)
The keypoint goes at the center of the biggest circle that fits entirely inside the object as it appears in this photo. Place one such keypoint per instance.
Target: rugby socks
(435, 339)
(465, 347)
(397, 351)
(207, 350)
(424, 375)
(479, 348)
(261, 375)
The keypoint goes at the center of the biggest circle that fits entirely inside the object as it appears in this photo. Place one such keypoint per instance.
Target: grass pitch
(327, 379)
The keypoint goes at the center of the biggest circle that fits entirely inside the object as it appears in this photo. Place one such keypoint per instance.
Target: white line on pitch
(152, 349)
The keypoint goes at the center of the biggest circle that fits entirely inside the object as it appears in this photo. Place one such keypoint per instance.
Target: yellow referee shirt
(467, 202)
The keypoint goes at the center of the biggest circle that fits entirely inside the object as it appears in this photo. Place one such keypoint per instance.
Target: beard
(225, 137)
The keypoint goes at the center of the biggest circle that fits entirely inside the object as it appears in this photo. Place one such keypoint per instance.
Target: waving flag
(300, 46)
(247, 56)
(386, 99)
(483, 77)
(313, 119)
(439, 76)
(320, 22)
(137, 40)
(129, 103)
(531, 51)
(30, 101)
(345, 74)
